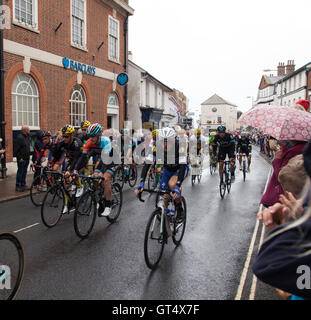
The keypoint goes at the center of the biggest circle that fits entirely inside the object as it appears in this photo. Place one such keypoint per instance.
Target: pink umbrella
(283, 123)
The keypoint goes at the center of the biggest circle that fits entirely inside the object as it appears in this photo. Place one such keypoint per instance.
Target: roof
(294, 73)
(272, 80)
(215, 100)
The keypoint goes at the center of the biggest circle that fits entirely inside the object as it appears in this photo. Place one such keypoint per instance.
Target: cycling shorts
(103, 168)
(223, 152)
(166, 176)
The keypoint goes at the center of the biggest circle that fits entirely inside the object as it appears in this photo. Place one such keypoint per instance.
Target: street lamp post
(2, 114)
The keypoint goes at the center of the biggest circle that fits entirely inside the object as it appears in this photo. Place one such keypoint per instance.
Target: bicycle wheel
(179, 229)
(133, 177)
(193, 179)
(12, 263)
(52, 206)
(199, 178)
(154, 241)
(85, 215)
(244, 170)
(119, 176)
(222, 185)
(38, 190)
(228, 182)
(116, 203)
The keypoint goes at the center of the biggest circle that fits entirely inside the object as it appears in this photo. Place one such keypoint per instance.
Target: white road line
(33, 225)
(250, 251)
(254, 282)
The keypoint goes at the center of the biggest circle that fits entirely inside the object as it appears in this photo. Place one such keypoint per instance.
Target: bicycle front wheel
(85, 215)
(52, 206)
(133, 177)
(244, 170)
(154, 240)
(222, 186)
(116, 203)
(11, 265)
(119, 176)
(179, 228)
(38, 190)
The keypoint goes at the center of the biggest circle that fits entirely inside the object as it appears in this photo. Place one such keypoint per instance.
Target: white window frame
(82, 116)
(14, 95)
(76, 45)
(117, 60)
(35, 24)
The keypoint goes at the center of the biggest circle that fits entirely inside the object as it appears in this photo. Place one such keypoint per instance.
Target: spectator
(288, 150)
(287, 247)
(304, 103)
(22, 152)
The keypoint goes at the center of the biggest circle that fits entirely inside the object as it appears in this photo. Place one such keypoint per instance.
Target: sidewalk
(7, 188)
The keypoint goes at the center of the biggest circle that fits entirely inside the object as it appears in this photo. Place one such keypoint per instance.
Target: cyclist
(173, 174)
(97, 143)
(68, 150)
(83, 136)
(244, 146)
(210, 142)
(225, 144)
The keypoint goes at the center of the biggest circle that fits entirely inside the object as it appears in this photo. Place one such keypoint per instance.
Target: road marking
(254, 282)
(33, 225)
(250, 251)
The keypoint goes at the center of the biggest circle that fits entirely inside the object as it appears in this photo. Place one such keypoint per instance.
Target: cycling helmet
(243, 134)
(155, 133)
(167, 133)
(221, 129)
(94, 130)
(124, 132)
(45, 134)
(85, 124)
(212, 134)
(68, 129)
(197, 131)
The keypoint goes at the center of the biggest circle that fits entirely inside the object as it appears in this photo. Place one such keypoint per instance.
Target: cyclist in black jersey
(244, 146)
(224, 143)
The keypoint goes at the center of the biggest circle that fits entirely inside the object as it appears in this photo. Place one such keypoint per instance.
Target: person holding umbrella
(288, 125)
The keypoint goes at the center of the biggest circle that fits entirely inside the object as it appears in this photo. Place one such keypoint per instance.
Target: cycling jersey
(178, 167)
(226, 145)
(90, 148)
(244, 146)
(72, 151)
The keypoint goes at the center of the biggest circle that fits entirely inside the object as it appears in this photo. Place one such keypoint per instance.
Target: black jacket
(22, 147)
(277, 262)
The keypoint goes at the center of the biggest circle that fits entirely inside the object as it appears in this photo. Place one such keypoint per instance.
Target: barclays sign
(77, 66)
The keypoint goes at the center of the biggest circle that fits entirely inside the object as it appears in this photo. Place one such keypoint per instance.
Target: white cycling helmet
(166, 133)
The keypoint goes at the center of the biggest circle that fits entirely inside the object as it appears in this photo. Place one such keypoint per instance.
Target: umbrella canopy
(283, 123)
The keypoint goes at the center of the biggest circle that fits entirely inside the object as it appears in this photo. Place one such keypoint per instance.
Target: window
(219, 119)
(113, 39)
(300, 79)
(78, 22)
(113, 99)
(77, 106)
(26, 12)
(25, 102)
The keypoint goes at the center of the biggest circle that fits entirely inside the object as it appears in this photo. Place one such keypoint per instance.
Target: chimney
(290, 68)
(281, 69)
(130, 55)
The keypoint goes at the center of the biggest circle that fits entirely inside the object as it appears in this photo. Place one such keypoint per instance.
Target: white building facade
(216, 111)
(148, 99)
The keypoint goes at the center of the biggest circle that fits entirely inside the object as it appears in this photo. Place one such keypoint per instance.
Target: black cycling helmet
(221, 128)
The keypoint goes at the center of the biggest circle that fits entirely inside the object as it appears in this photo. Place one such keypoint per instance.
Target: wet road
(110, 263)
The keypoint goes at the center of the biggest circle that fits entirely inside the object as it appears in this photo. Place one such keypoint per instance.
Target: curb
(15, 197)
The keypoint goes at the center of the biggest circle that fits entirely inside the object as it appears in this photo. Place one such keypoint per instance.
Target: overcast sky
(202, 47)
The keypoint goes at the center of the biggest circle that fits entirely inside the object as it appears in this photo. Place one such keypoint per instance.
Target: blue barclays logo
(77, 66)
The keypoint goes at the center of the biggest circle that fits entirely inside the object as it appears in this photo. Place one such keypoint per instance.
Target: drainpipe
(125, 33)
(2, 114)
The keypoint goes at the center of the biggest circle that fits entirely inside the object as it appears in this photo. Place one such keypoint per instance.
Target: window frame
(35, 17)
(14, 95)
(113, 59)
(71, 101)
(73, 44)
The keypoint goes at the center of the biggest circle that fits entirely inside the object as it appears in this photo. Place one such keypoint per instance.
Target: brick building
(61, 61)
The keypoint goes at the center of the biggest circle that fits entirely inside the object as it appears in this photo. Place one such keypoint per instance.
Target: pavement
(7, 188)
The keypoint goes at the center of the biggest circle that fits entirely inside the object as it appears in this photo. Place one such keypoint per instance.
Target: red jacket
(274, 189)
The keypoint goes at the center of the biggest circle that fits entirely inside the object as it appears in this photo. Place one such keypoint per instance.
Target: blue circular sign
(122, 79)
